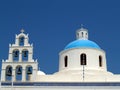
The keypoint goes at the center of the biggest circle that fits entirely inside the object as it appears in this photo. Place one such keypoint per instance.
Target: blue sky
(51, 25)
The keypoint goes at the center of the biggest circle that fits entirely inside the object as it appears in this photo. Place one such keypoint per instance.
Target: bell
(25, 53)
(21, 39)
(9, 72)
(29, 71)
(19, 71)
(16, 54)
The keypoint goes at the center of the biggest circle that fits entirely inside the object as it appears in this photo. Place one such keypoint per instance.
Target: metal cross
(22, 31)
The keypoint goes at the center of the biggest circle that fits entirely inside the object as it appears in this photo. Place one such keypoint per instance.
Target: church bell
(19, 71)
(21, 39)
(29, 71)
(25, 53)
(16, 53)
(9, 72)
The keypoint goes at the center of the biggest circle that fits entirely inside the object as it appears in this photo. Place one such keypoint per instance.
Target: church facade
(82, 65)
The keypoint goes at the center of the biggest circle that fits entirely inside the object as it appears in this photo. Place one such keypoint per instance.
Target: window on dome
(83, 59)
(82, 34)
(66, 61)
(77, 35)
(100, 61)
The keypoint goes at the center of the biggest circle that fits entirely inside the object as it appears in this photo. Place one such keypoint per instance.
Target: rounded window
(66, 61)
(100, 61)
(83, 59)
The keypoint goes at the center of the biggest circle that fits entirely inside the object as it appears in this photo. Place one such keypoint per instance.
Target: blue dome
(82, 44)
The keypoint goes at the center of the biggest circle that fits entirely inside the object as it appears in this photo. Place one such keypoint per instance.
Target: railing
(60, 84)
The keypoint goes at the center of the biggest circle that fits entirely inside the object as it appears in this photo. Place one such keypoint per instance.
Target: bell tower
(20, 65)
(82, 33)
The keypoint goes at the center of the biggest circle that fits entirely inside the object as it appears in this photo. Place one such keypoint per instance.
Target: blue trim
(60, 84)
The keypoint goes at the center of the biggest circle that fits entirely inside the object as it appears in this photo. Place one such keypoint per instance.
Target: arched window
(8, 73)
(21, 41)
(29, 71)
(77, 35)
(83, 59)
(82, 34)
(66, 61)
(15, 55)
(100, 61)
(25, 55)
(18, 73)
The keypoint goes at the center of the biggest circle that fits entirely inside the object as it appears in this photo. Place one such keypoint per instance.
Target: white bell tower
(20, 65)
(82, 33)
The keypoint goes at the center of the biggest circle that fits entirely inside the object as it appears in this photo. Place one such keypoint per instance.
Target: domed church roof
(82, 40)
(82, 44)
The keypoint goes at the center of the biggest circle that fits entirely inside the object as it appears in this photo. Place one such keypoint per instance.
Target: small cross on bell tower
(22, 30)
(81, 25)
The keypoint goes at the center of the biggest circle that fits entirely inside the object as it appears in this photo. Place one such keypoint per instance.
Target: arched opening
(19, 73)
(8, 73)
(100, 61)
(77, 35)
(66, 61)
(82, 34)
(29, 71)
(25, 55)
(15, 55)
(21, 40)
(83, 59)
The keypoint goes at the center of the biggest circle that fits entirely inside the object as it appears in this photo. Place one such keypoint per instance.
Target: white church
(82, 66)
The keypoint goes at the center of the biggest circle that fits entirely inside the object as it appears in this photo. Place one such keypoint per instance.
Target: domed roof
(82, 44)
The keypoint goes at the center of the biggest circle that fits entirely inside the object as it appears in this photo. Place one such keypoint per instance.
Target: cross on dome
(81, 25)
